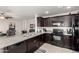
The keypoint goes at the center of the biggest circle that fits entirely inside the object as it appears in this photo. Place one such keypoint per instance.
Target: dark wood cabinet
(71, 43)
(16, 48)
(30, 45)
(47, 22)
(40, 21)
(33, 44)
(27, 46)
(43, 22)
(59, 19)
(65, 21)
(48, 38)
(68, 21)
(66, 41)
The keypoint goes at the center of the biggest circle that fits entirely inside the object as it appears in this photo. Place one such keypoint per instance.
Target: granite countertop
(7, 41)
(68, 34)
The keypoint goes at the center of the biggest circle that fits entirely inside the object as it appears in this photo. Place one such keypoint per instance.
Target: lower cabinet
(28, 46)
(68, 41)
(48, 38)
(16, 48)
(34, 43)
(31, 45)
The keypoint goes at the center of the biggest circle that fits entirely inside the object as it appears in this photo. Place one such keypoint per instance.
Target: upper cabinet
(68, 21)
(40, 21)
(47, 22)
(43, 22)
(59, 21)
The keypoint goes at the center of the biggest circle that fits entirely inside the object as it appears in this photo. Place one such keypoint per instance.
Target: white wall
(3, 25)
(20, 25)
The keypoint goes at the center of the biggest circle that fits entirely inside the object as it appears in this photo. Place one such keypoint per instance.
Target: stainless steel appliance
(75, 33)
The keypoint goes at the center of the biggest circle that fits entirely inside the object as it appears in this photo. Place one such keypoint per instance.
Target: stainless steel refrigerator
(75, 28)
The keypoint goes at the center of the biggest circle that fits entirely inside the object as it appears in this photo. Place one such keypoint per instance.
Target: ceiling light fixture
(68, 7)
(47, 12)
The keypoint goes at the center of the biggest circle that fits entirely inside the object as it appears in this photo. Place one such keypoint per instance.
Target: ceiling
(28, 12)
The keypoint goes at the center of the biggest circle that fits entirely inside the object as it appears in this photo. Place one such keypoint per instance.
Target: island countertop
(7, 41)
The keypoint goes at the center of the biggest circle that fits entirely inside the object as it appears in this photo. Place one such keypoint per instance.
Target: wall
(20, 25)
(3, 25)
(26, 24)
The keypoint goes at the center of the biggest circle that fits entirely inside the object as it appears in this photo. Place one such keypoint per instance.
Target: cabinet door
(41, 39)
(37, 42)
(40, 22)
(33, 44)
(67, 41)
(30, 45)
(16, 48)
(68, 21)
(43, 22)
(48, 38)
(57, 20)
(47, 22)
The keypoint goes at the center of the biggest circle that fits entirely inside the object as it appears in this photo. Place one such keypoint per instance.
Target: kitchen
(39, 29)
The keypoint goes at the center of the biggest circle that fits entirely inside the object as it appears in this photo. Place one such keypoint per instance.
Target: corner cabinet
(43, 22)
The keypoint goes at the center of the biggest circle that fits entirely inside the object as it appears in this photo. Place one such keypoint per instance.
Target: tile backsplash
(51, 29)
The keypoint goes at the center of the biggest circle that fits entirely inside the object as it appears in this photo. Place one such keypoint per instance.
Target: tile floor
(48, 48)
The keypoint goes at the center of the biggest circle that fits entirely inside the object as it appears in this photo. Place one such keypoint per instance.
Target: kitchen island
(7, 41)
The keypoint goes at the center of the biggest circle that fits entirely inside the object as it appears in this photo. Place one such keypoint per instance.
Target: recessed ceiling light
(47, 12)
(68, 7)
